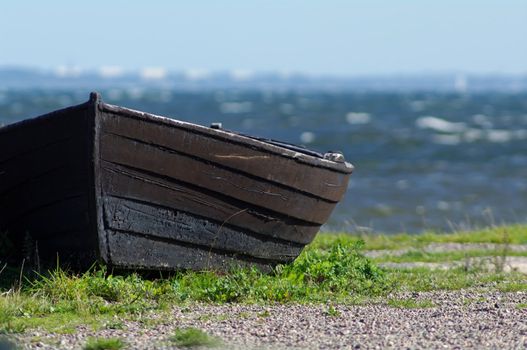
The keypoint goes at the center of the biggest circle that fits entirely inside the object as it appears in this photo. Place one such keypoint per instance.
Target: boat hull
(134, 190)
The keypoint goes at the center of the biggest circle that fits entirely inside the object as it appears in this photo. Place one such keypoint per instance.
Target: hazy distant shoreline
(116, 77)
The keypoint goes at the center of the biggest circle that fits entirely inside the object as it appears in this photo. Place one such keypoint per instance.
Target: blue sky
(334, 37)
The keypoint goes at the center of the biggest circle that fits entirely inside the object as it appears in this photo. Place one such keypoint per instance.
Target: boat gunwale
(230, 137)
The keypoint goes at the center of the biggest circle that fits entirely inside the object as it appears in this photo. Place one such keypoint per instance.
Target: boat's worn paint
(134, 190)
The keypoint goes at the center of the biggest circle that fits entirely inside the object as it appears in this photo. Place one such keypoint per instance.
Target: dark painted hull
(133, 190)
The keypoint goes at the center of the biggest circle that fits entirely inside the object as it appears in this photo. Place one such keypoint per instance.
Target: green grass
(104, 344)
(513, 234)
(331, 270)
(58, 301)
(332, 311)
(422, 256)
(193, 337)
(424, 279)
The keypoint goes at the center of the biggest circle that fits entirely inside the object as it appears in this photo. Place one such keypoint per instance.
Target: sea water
(440, 161)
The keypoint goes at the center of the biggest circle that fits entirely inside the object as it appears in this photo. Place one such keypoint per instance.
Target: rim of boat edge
(270, 147)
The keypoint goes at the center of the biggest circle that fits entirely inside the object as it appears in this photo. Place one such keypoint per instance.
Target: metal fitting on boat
(335, 156)
(216, 126)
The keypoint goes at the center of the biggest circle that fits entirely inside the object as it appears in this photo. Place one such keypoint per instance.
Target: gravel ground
(460, 319)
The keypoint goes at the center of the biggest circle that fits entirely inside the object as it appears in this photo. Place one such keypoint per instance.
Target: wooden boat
(97, 182)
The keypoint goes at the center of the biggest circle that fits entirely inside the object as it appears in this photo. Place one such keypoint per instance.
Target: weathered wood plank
(321, 182)
(135, 217)
(235, 185)
(131, 251)
(49, 187)
(30, 165)
(63, 215)
(41, 131)
(129, 183)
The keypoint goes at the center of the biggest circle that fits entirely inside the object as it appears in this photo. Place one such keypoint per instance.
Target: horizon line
(160, 72)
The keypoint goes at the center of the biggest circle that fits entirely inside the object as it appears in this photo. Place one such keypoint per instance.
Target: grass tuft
(511, 234)
(192, 337)
(332, 311)
(104, 344)
(315, 276)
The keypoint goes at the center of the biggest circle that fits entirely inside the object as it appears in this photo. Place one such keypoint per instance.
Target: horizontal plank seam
(282, 217)
(221, 166)
(234, 255)
(256, 235)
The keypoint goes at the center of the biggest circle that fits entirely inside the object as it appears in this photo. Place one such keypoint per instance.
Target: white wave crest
(499, 136)
(358, 118)
(438, 124)
(307, 137)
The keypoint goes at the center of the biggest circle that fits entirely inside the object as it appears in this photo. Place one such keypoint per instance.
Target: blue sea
(423, 160)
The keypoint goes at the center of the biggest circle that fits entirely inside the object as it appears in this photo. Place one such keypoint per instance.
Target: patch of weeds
(470, 301)
(511, 234)
(497, 256)
(104, 344)
(521, 306)
(513, 286)
(191, 337)
(264, 314)
(149, 322)
(10, 317)
(332, 311)
(214, 317)
(12, 327)
(423, 279)
(410, 303)
(315, 276)
(61, 323)
(243, 315)
(114, 324)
